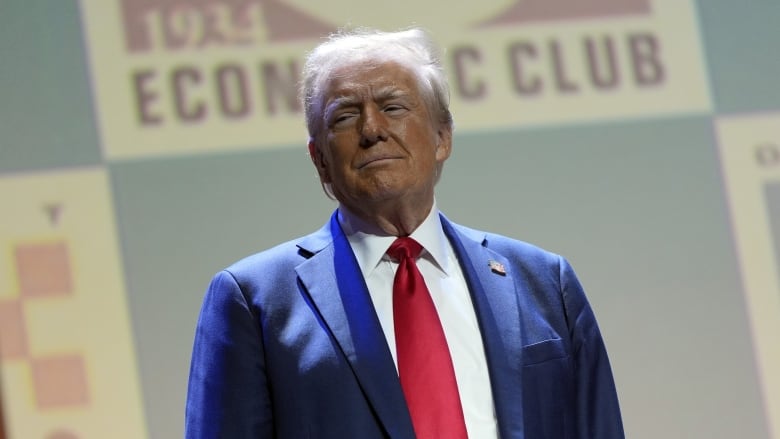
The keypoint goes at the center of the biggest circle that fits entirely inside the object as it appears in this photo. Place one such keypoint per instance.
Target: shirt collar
(370, 245)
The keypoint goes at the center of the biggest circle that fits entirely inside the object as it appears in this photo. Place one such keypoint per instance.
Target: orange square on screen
(43, 270)
(60, 381)
(13, 334)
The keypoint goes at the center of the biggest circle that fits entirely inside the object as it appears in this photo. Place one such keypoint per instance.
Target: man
(352, 333)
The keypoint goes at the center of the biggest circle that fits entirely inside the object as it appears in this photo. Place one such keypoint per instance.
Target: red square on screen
(43, 270)
(60, 381)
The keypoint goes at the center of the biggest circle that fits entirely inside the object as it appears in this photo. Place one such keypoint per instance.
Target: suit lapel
(496, 305)
(340, 294)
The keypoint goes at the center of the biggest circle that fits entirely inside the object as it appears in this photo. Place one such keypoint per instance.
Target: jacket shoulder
(284, 256)
(281, 255)
(511, 248)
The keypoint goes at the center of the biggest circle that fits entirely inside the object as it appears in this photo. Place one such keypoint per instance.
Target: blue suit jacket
(288, 345)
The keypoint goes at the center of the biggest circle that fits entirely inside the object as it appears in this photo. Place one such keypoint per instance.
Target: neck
(389, 219)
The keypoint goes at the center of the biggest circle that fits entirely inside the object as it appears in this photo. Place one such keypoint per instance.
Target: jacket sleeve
(227, 395)
(597, 409)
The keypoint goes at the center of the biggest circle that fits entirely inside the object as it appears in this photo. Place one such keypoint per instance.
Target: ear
(444, 142)
(315, 154)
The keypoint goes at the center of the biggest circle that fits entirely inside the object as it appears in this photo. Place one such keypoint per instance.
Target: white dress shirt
(445, 281)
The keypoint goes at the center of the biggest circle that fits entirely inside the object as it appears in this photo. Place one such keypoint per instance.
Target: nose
(373, 128)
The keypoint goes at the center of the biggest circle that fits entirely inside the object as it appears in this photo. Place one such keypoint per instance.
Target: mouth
(376, 161)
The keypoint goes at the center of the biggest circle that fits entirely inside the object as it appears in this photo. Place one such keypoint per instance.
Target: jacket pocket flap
(543, 351)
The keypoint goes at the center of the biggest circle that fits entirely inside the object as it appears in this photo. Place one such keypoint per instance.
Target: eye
(343, 118)
(394, 109)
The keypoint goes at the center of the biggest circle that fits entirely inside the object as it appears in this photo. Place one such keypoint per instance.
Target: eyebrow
(349, 100)
(390, 92)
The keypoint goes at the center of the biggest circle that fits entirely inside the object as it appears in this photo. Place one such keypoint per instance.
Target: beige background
(645, 189)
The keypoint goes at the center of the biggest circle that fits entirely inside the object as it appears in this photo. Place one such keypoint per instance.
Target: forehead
(369, 78)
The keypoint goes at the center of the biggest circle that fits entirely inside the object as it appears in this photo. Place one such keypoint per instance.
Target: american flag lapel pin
(497, 267)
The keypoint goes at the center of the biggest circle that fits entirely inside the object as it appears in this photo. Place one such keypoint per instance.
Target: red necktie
(424, 363)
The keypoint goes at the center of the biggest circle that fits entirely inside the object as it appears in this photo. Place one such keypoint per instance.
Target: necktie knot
(403, 248)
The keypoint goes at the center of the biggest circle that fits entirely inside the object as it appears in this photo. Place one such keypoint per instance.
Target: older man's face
(379, 142)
